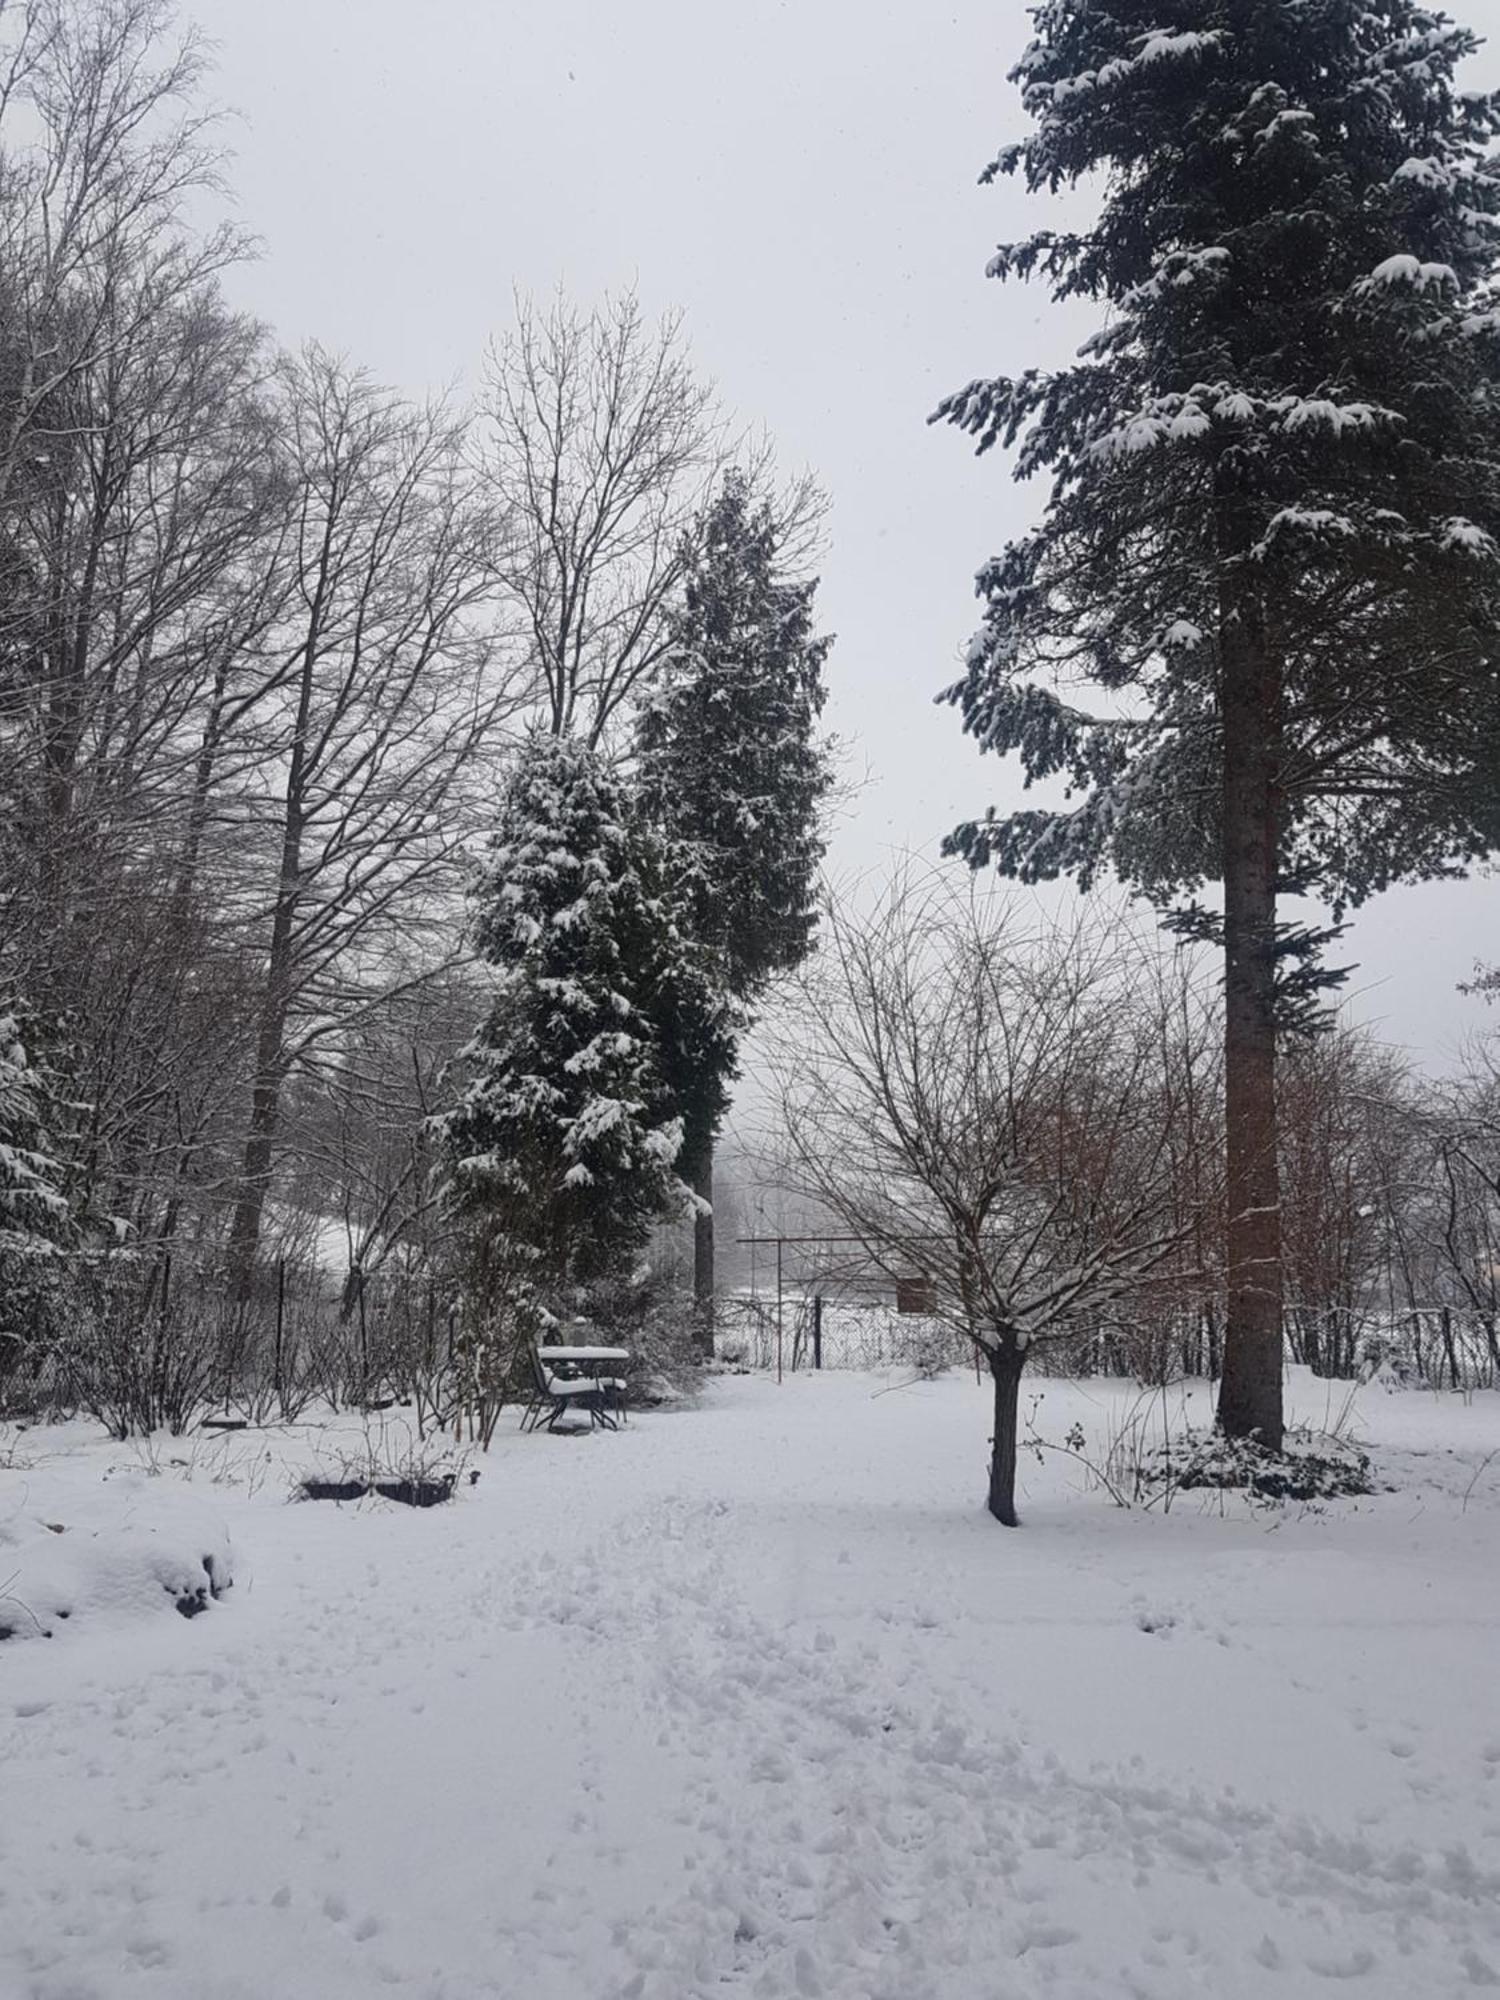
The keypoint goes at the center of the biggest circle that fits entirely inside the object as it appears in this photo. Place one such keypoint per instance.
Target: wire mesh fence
(1436, 1347)
(814, 1331)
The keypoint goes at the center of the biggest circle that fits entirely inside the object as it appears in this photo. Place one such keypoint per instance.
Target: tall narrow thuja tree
(1270, 542)
(733, 773)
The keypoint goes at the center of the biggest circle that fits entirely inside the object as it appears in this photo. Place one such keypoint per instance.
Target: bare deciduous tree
(599, 441)
(981, 1102)
(378, 698)
(102, 142)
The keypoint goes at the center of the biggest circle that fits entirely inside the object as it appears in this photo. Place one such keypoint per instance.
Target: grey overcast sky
(799, 177)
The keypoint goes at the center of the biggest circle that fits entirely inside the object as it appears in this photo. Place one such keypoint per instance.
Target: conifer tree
(564, 1143)
(1272, 542)
(36, 1219)
(732, 771)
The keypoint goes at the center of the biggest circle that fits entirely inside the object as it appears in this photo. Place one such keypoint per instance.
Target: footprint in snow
(1044, 1937)
(1355, 1966)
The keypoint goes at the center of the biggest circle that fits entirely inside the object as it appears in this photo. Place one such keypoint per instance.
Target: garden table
(590, 1363)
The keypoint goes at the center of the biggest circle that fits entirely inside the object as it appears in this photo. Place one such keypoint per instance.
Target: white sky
(799, 176)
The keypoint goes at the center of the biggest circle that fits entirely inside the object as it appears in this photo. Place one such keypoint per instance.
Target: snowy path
(751, 1701)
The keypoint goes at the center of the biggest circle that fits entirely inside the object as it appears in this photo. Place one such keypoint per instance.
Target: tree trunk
(255, 1181)
(1005, 1368)
(1250, 1398)
(698, 1171)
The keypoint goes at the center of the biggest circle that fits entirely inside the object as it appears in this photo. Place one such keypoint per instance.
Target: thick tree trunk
(255, 1181)
(265, 1092)
(1250, 1398)
(698, 1171)
(1005, 1370)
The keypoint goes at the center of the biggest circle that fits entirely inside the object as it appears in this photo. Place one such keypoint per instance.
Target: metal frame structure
(782, 1243)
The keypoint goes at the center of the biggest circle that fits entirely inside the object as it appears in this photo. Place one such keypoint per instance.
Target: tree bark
(255, 1173)
(1006, 1366)
(699, 1171)
(1250, 1393)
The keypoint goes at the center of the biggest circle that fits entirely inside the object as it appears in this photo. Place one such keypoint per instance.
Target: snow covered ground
(754, 1699)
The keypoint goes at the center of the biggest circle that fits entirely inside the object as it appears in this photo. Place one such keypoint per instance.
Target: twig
(1479, 1471)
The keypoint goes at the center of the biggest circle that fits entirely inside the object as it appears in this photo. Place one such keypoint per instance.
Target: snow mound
(128, 1548)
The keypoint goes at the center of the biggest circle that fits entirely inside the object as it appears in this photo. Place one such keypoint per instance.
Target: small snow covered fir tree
(33, 1207)
(562, 1150)
(1273, 536)
(35, 1218)
(731, 769)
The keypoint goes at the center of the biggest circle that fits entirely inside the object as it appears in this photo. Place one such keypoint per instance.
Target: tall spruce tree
(732, 771)
(1273, 534)
(564, 1144)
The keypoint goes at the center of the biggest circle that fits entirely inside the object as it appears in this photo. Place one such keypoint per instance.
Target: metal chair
(554, 1396)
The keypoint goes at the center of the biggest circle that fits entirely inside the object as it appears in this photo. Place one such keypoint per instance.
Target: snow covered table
(587, 1364)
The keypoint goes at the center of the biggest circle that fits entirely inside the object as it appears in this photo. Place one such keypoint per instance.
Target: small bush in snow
(1334, 1470)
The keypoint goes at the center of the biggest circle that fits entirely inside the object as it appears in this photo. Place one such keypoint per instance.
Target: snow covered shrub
(932, 1356)
(1321, 1468)
(111, 1550)
(141, 1371)
(657, 1320)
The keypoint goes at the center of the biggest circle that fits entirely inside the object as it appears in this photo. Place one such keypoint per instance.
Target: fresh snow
(753, 1698)
(1405, 269)
(1458, 533)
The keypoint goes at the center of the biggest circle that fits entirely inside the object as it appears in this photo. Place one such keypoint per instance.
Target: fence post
(817, 1329)
(280, 1325)
(778, 1309)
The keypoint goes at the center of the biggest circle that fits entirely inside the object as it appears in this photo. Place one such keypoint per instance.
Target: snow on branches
(566, 1136)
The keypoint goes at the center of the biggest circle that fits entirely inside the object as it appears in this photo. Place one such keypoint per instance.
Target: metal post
(778, 1309)
(817, 1329)
(280, 1377)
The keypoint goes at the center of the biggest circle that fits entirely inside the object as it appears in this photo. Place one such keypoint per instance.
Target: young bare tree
(599, 439)
(980, 1101)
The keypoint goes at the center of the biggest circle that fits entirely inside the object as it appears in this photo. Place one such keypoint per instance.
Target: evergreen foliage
(730, 764)
(564, 1143)
(732, 772)
(36, 1219)
(34, 1213)
(1292, 408)
(1272, 542)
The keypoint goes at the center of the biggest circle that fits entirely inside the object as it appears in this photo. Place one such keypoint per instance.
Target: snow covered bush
(1325, 1468)
(111, 1551)
(654, 1317)
(139, 1372)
